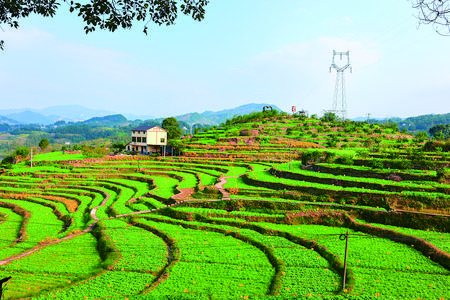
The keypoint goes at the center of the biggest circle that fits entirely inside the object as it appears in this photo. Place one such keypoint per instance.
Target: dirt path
(185, 194)
(220, 184)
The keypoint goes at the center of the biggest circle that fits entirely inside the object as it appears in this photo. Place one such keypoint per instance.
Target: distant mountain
(5, 120)
(50, 115)
(215, 118)
(74, 112)
(112, 120)
(29, 117)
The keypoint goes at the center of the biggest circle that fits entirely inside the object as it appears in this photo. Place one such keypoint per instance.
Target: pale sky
(245, 51)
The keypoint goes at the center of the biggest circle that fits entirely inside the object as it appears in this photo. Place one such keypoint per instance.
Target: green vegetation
(253, 209)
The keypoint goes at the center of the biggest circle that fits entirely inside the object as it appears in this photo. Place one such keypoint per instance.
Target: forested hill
(107, 120)
(423, 122)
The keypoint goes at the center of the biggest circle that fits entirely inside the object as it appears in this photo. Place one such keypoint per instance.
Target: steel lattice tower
(339, 89)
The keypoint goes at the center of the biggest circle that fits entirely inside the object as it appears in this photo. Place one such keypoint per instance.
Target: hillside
(255, 209)
(415, 124)
(110, 120)
(218, 117)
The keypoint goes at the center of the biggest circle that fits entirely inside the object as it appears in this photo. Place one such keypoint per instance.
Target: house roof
(145, 128)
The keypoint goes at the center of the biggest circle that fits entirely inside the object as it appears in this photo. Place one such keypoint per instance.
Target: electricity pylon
(339, 89)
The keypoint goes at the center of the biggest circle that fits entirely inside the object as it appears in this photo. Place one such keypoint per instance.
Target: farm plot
(385, 258)
(229, 249)
(43, 225)
(306, 273)
(9, 227)
(141, 251)
(214, 265)
(440, 239)
(53, 267)
(165, 186)
(140, 187)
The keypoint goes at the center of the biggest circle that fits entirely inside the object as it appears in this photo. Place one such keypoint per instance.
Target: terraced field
(232, 221)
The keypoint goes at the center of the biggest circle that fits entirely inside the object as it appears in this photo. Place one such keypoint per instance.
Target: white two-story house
(147, 139)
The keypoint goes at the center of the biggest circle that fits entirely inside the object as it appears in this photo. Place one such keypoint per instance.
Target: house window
(133, 139)
(144, 140)
(139, 139)
(162, 140)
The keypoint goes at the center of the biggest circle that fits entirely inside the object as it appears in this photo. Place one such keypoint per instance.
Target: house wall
(154, 136)
(149, 140)
(139, 135)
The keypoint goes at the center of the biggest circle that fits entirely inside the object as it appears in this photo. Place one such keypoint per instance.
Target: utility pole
(368, 118)
(339, 89)
(342, 237)
(31, 161)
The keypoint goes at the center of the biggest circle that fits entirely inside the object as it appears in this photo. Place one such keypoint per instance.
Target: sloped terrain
(255, 209)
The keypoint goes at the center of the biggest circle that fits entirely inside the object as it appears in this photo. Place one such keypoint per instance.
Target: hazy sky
(244, 51)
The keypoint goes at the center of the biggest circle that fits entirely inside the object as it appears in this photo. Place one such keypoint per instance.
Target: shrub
(289, 131)
(376, 164)
(22, 151)
(90, 151)
(304, 159)
(442, 174)
(330, 157)
(7, 162)
(345, 160)
(332, 141)
(401, 164)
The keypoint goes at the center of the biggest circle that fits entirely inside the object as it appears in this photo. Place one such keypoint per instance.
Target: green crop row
(439, 239)
(43, 225)
(214, 265)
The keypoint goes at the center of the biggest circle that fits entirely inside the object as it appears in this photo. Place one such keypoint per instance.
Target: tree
(119, 147)
(43, 144)
(440, 131)
(421, 136)
(105, 14)
(7, 162)
(22, 152)
(435, 12)
(172, 127)
(329, 117)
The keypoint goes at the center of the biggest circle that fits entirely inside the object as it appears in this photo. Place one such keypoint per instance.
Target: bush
(304, 159)
(330, 157)
(376, 164)
(332, 141)
(442, 174)
(345, 160)
(7, 162)
(91, 152)
(401, 164)
(22, 151)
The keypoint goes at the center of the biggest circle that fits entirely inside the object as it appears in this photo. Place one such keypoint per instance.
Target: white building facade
(147, 139)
